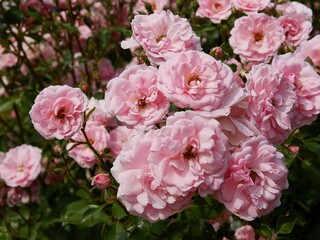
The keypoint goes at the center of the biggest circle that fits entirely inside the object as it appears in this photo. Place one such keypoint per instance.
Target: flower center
(142, 102)
(21, 168)
(258, 36)
(159, 38)
(217, 5)
(61, 113)
(194, 78)
(189, 153)
(253, 175)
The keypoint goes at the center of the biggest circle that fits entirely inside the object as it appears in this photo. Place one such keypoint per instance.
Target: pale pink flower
(190, 153)
(215, 10)
(134, 98)
(43, 7)
(141, 192)
(245, 232)
(218, 221)
(254, 180)
(101, 181)
(162, 35)
(58, 111)
(296, 28)
(84, 33)
(6, 59)
(98, 137)
(271, 99)
(294, 7)
(197, 80)
(99, 116)
(17, 196)
(256, 37)
(248, 6)
(157, 5)
(306, 86)
(236, 125)
(21, 166)
(118, 138)
(310, 49)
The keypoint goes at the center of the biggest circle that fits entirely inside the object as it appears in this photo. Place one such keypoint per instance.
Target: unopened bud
(101, 181)
(216, 52)
(84, 87)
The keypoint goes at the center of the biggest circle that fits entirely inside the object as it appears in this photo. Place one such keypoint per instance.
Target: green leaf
(286, 223)
(84, 214)
(265, 231)
(6, 104)
(313, 146)
(117, 211)
(115, 232)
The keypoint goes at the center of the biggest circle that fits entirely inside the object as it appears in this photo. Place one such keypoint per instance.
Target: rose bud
(101, 181)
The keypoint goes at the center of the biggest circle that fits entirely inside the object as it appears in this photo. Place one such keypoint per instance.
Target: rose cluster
(182, 122)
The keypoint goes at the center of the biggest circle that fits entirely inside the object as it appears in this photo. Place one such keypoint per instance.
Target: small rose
(101, 181)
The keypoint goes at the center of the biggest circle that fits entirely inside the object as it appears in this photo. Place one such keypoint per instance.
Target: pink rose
(141, 192)
(58, 111)
(162, 35)
(118, 138)
(296, 28)
(255, 177)
(306, 86)
(214, 10)
(248, 6)
(99, 116)
(157, 5)
(21, 166)
(294, 7)
(236, 125)
(310, 49)
(256, 37)
(271, 99)
(17, 196)
(190, 153)
(245, 232)
(197, 80)
(134, 98)
(99, 139)
(101, 181)
(6, 59)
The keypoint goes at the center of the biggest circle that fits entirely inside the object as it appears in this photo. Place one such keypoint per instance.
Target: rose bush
(159, 119)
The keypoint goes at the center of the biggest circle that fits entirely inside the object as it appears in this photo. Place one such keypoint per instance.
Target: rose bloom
(6, 59)
(118, 137)
(21, 166)
(245, 232)
(248, 6)
(197, 80)
(157, 5)
(271, 99)
(162, 35)
(99, 139)
(190, 153)
(58, 111)
(134, 98)
(215, 10)
(253, 182)
(99, 116)
(141, 192)
(310, 49)
(17, 196)
(306, 86)
(294, 7)
(236, 125)
(256, 37)
(296, 28)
